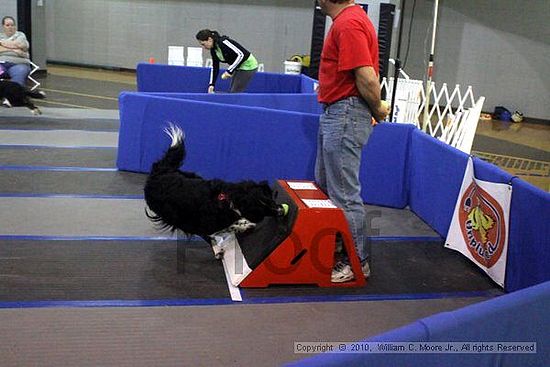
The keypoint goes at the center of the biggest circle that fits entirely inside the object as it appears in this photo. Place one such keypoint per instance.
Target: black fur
(186, 201)
(14, 95)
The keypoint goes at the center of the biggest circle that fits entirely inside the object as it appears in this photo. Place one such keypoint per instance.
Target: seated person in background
(242, 64)
(14, 52)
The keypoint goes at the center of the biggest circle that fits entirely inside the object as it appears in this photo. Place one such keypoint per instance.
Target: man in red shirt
(349, 89)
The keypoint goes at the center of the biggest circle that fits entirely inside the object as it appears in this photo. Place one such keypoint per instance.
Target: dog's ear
(266, 189)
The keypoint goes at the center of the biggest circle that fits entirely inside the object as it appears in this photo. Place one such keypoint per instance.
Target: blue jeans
(18, 72)
(344, 129)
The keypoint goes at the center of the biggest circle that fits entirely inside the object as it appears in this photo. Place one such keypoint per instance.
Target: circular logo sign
(481, 220)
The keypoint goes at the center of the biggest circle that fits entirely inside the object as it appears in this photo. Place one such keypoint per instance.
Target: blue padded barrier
(384, 165)
(170, 78)
(521, 316)
(274, 83)
(435, 173)
(528, 260)
(188, 79)
(302, 102)
(286, 140)
(130, 148)
(489, 172)
(223, 141)
(309, 85)
(435, 176)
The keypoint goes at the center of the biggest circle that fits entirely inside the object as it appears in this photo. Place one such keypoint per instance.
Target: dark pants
(240, 80)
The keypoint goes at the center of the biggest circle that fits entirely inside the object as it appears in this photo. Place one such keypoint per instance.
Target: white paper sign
(316, 203)
(302, 185)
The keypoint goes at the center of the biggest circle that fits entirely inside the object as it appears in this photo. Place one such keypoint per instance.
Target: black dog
(13, 94)
(185, 201)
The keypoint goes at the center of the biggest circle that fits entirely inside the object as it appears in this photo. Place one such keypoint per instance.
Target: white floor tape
(234, 264)
(234, 291)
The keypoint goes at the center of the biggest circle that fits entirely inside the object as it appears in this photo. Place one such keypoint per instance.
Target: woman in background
(14, 52)
(242, 64)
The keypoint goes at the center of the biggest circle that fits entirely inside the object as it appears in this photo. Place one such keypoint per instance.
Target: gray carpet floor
(223, 335)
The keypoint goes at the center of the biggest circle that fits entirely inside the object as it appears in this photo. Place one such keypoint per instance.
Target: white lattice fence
(451, 117)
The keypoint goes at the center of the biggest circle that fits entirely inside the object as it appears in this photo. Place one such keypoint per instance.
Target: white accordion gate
(452, 117)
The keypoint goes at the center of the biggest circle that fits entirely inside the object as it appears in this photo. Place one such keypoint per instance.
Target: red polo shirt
(350, 43)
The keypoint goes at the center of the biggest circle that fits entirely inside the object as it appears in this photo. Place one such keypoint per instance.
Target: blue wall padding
(435, 176)
(529, 242)
(223, 141)
(170, 78)
(301, 102)
(435, 173)
(486, 171)
(130, 148)
(309, 85)
(267, 144)
(188, 79)
(384, 168)
(519, 316)
(274, 83)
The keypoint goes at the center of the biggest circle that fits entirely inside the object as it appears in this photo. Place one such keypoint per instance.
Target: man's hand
(226, 75)
(382, 111)
(368, 86)
(211, 89)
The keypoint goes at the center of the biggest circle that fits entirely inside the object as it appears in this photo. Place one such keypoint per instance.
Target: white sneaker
(341, 273)
(366, 270)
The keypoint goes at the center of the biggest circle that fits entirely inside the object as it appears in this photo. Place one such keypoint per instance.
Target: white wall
(123, 33)
(501, 48)
(8, 7)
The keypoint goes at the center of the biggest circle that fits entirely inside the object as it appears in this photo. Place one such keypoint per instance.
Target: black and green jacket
(228, 51)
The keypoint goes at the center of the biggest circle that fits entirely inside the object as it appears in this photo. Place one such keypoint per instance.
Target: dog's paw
(6, 103)
(36, 111)
(218, 251)
(242, 225)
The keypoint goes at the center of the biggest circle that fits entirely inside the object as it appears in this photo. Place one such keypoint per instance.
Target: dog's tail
(175, 155)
